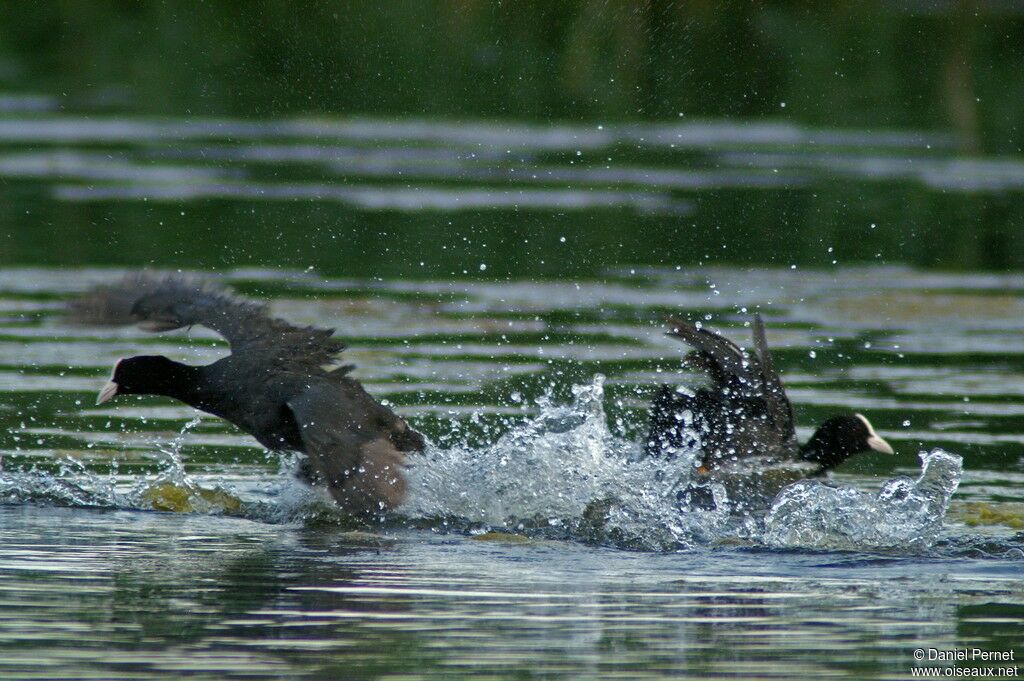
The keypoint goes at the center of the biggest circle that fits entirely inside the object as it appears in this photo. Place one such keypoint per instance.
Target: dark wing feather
(717, 355)
(165, 302)
(350, 440)
(780, 410)
(746, 411)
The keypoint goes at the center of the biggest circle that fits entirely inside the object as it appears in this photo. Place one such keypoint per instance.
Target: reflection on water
(494, 203)
(249, 574)
(375, 198)
(148, 595)
(484, 199)
(221, 596)
(156, 596)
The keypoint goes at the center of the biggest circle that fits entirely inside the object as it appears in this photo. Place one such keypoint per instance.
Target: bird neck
(179, 381)
(823, 450)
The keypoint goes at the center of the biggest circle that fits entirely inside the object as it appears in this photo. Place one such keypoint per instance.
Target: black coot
(745, 413)
(278, 384)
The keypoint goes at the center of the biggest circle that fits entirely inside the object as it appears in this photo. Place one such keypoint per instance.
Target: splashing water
(564, 474)
(171, 489)
(172, 468)
(33, 487)
(904, 513)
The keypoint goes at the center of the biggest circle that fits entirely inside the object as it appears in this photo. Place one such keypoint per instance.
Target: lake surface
(121, 575)
(497, 209)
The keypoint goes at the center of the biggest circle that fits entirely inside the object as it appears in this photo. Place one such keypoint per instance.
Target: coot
(280, 383)
(745, 413)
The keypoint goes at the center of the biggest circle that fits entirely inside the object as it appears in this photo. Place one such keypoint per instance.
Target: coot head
(143, 375)
(840, 437)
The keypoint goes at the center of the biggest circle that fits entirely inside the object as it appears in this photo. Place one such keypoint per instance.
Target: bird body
(744, 414)
(278, 384)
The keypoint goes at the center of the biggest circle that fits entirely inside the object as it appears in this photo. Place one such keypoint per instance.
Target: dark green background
(952, 68)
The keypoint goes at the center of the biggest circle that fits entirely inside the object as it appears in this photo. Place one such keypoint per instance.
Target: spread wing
(780, 410)
(172, 301)
(750, 377)
(355, 444)
(722, 359)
